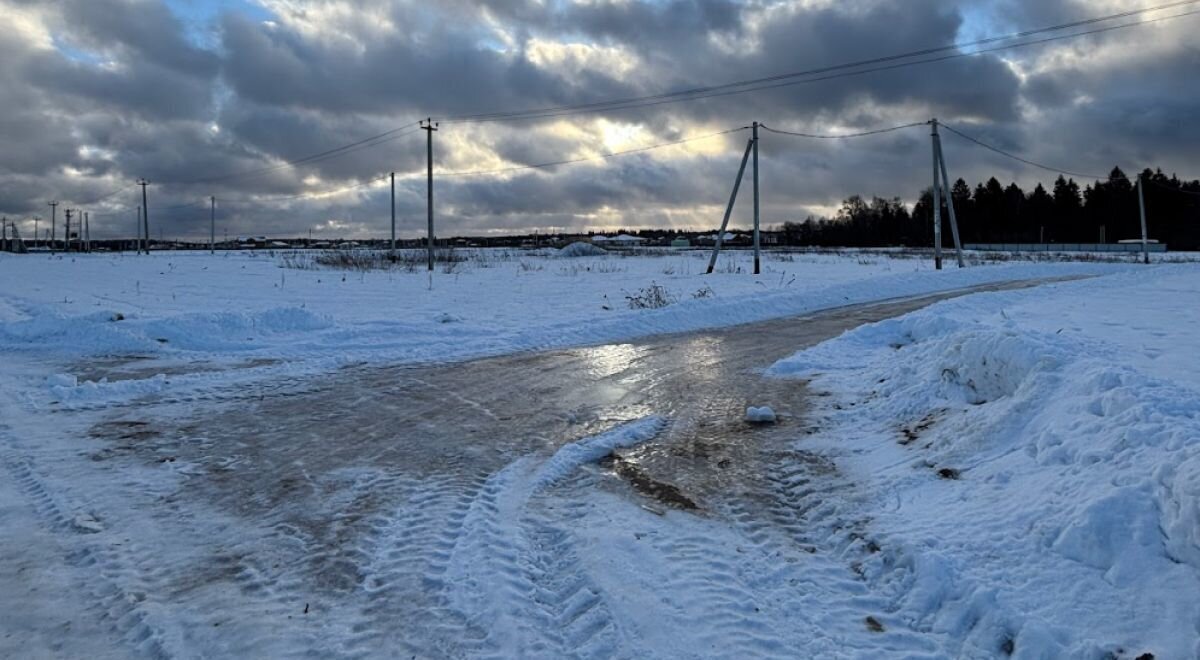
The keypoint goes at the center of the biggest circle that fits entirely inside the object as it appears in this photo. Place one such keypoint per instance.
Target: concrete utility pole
(145, 215)
(68, 246)
(212, 225)
(429, 127)
(393, 214)
(737, 182)
(1142, 209)
(941, 159)
(53, 222)
(754, 136)
(937, 211)
(137, 233)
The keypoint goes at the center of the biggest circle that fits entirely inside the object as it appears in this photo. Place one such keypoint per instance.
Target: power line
(310, 194)
(1013, 156)
(366, 143)
(842, 135)
(738, 87)
(1048, 168)
(604, 156)
(755, 84)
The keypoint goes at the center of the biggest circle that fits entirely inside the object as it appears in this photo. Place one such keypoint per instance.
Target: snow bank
(582, 249)
(101, 333)
(1041, 487)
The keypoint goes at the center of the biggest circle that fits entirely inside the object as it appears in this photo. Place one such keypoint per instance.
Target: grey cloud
(277, 94)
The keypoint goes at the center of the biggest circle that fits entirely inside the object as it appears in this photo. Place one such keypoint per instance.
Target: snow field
(244, 310)
(1034, 463)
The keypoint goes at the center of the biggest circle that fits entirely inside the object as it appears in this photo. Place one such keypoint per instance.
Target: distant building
(620, 240)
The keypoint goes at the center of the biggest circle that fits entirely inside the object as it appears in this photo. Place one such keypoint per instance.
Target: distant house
(712, 238)
(681, 243)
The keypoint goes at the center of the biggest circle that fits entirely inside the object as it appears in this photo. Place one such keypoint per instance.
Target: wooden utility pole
(737, 182)
(53, 223)
(212, 225)
(941, 160)
(754, 137)
(393, 215)
(1142, 210)
(137, 233)
(145, 216)
(68, 246)
(429, 127)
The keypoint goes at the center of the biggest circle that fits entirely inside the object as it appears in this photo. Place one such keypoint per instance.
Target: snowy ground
(200, 467)
(1030, 463)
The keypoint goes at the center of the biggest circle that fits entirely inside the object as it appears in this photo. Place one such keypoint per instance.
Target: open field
(254, 455)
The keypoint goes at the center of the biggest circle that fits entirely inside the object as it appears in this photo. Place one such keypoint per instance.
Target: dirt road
(382, 512)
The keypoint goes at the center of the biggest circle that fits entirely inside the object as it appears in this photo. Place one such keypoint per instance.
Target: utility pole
(53, 219)
(35, 230)
(87, 231)
(937, 207)
(212, 225)
(68, 246)
(712, 262)
(137, 241)
(429, 127)
(1142, 209)
(145, 214)
(941, 160)
(754, 137)
(393, 215)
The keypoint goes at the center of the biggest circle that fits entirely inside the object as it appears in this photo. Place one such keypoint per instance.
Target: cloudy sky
(204, 97)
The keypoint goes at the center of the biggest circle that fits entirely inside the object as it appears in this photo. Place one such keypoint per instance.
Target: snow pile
(760, 415)
(590, 450)
(100, 333)
(1035, 490)
(582, 249)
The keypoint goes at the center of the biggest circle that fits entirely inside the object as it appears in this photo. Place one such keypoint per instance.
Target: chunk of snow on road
(760, 415)
(90, 393)
(61, 380)
(571, 456)
(87, 524)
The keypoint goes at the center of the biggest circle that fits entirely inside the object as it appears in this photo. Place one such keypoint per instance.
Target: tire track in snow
(572, 605)
(117, 591)
(407, 555)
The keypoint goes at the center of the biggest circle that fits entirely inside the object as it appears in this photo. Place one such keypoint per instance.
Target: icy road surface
(451, 511)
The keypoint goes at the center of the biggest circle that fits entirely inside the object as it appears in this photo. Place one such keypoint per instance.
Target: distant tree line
(1106, 211)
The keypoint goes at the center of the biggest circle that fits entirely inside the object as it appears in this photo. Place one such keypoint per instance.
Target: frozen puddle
(606, 501)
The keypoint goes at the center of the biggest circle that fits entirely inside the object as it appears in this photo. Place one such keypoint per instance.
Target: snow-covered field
(1005, 473)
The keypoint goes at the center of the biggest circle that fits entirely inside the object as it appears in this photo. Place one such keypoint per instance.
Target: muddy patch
(633, 474)
(912, 432)
(123, 429)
